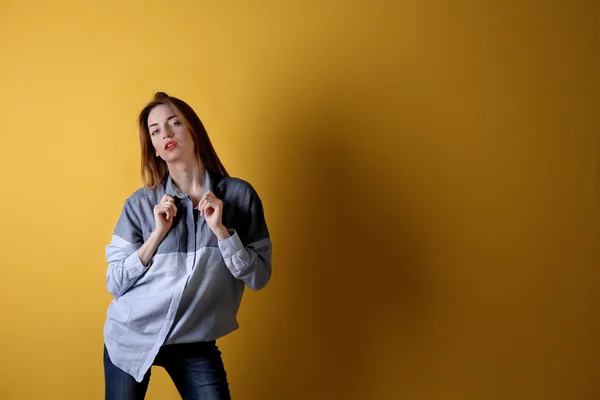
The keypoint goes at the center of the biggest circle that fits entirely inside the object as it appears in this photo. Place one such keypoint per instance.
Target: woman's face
(171, 139)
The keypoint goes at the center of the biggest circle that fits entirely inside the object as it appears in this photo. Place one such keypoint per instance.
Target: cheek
(155, 145)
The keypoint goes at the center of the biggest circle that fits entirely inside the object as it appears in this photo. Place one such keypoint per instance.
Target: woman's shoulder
(234, 186)
(144, 194)
(232, 181)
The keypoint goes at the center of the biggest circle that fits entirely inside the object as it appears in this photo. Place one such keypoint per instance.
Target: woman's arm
(127, 255)
(247, 253)
(250, 263)
(124, 263)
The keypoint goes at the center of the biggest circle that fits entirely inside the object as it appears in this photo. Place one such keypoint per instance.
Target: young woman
(184, 248)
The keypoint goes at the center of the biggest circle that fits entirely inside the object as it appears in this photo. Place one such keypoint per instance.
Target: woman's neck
(189, 178)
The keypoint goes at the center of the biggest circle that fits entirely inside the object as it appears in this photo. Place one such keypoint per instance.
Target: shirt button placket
(191, 230)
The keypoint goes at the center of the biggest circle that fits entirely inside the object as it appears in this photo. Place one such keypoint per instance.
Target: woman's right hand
(164, 212)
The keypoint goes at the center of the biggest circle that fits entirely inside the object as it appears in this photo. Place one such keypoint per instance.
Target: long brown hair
(154, 169)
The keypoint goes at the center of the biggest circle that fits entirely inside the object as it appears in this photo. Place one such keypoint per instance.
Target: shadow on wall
(350, 274)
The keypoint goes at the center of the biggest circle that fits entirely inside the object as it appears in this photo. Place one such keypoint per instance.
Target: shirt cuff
(134, 263)
(231, 245)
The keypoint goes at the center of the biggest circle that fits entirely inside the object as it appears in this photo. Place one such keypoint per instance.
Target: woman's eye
(175, 123)
(154, 132)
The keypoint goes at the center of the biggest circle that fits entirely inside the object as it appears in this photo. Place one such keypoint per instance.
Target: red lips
(170, 145)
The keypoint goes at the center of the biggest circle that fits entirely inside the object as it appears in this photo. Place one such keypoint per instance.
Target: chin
(170, 160)
(178, 158)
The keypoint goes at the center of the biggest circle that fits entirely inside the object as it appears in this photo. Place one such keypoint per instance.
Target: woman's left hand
(212, 209)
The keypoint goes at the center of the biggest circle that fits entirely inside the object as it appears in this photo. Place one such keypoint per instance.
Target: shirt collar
(172, 190)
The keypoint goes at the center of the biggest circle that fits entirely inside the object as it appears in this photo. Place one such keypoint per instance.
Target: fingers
(167, 211)
(208, 195)
(171, 210)
(167, 199)
(166, 208)
(204, 206)
(209, 203)
(208, 208)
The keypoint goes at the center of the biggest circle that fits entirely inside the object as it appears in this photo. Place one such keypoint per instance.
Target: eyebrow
(156, 123)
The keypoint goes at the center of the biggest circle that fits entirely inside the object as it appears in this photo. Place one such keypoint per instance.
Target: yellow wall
(430, 172)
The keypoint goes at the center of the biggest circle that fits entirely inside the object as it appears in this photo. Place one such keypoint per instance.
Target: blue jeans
(196, 369)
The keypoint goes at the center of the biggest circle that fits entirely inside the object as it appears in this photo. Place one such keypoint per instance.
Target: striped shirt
(192, 287)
